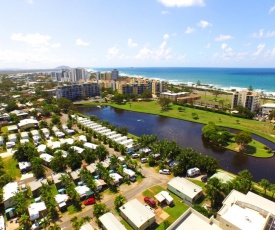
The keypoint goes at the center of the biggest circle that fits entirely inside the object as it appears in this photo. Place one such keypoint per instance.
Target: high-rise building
(247, 99)
(115, 74)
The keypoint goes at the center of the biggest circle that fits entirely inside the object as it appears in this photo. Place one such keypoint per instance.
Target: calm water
(186, 134)
(226, 78)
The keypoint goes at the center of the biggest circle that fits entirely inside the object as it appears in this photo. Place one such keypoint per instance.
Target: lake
(185, 134)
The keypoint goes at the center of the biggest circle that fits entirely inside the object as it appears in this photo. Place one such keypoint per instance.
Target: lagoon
(185, 134)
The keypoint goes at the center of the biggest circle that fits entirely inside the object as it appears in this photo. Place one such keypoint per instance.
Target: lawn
(254, 148)
(126, 225)
(10, 165)
(263, 129)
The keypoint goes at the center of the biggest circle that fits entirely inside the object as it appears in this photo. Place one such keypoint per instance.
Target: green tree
(20, 203)
(37, 167)
(119, 201)
(74, 160)
(272, 189)
(147, 94)
(100, 209)
(265, 184)
(58, 163)
(164, 103)
(101, 152)
(89, 155)
(214, 191)
(25, 222)
(55, 119)
(250, 88)
(64, 103)
(43, 124)
(243, 138)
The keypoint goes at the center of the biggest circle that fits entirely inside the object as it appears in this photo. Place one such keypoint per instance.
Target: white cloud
(56, 45)
(223, 37)
(223, 46)
(271, 9)
(80, 42)
(270, 54)
(189, 30)
(131, 43)
(263, 34)
(160, 53)
(182, 3)
(30, 1)
(164, 12)
(35, 39)
(166, 36)
(112, 52)
(260, 49)
(204, 24)
(207, 46)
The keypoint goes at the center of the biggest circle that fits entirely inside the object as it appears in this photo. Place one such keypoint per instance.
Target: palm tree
(272, 189)
(54, 227)
(20, 203)
(24, 222)
(265, 184)
(214, 192)
(119, 201)
(100, 209)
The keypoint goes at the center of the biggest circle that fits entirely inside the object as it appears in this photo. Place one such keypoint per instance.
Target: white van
(193, 172)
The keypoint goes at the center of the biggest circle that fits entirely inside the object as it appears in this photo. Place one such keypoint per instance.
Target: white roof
(185, 186)
(115, 176)
(41, 148)
(56, 144)
(45, 130)
(27, 121)
(86, 226)
(9, 190)
(69, 141)
(23, 141)
(81, 190)
(110, 222)
(12, 136)
(136, 212)
(82, 138)
(269, 105)
(24, 165)
(60, 198)
(24, 134)
(35, 208)
(46, 157)
(34, 132)
(129, 172)
(90, 145)
(77, 149)
(192, 219)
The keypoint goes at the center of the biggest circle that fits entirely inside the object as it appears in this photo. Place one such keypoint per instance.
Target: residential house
(9, 191)
(110, 222)
(37, 210)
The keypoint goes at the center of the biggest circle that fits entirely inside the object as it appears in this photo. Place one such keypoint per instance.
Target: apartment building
(247, 99)
(78, 91)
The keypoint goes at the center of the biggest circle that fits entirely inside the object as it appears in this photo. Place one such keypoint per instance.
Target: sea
(261, 79)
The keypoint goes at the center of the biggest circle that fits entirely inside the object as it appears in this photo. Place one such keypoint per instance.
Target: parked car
(204, 179)
(143, 160)
(150, 201)
(165, 171)
(135, 155)
(89, 201)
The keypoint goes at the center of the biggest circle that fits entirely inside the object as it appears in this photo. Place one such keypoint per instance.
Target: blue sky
(137, 33)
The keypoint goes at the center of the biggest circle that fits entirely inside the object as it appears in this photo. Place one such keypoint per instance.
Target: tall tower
(115, 74)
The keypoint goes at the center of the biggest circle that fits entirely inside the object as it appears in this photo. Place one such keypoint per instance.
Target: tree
(74, 160)
(250, 88)
(11, 105)
(25, 152)
(58, 163)
(100, 209)
(272, 189)
(89, 155)
(147, 94)
(37, 167)
(243, 138)
(43, 124)
(164, 103)
(101, 152)
(214, 192)
(119, 201)
(64, 103)
(265, 184)
(20, 203)
(86, 176)
(77, 223)
(55, 119)
(25, 222)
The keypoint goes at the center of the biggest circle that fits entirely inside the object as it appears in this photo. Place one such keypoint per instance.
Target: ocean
(261, 79)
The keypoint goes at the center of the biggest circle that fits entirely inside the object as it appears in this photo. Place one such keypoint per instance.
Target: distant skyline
(137, 33)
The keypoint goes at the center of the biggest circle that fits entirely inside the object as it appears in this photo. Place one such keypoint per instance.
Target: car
(204, 179)
(89, 201)
(150, 201)
(135, 155)
(143, 160)
(165, 171)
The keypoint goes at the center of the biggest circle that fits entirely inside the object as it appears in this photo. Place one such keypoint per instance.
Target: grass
(126, 225)
(10, 165)
(197, 182)
(53, 189)
(74, 208)
(260, 128)
(4, 129)
(254, 148)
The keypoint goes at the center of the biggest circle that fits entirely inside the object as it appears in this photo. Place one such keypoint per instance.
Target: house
(35, 136)
(57, 181)
(77, 149)
(62, 200)
(82, 138)
(267, 108)
(25, 135)
(130, 173)
(83, 191)
(100, 184)
(47, 158)
(37, 210)
(69, 141)
(12, 138)
(86, 226)
(12, 128)
(35, 186)
(191, 219)
(137, 215)
(91, 168)
(10, 144)
(27, 123)
(75, 176)
(9, 191)
(41, 148)
(67, 130)
(24, 166)
(110, 222)
(185, 189)
(56, 144)
(46, 132)
(164, 196)
(246, 211)
(89, 145)
(23, 141)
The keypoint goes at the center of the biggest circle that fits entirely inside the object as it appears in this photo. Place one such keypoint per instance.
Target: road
(151, 178)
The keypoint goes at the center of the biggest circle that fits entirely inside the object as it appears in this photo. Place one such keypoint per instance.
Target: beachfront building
(132, 88)
(78, 91)
(137, 215)
(267, 108)
(73, 75)
(247, 99)
(173, 96)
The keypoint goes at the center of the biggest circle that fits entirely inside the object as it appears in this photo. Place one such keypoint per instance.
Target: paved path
(7, 154)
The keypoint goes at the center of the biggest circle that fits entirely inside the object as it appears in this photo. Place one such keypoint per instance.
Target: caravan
(193, 171)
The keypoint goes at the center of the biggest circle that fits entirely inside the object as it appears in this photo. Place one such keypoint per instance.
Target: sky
(137, 33)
